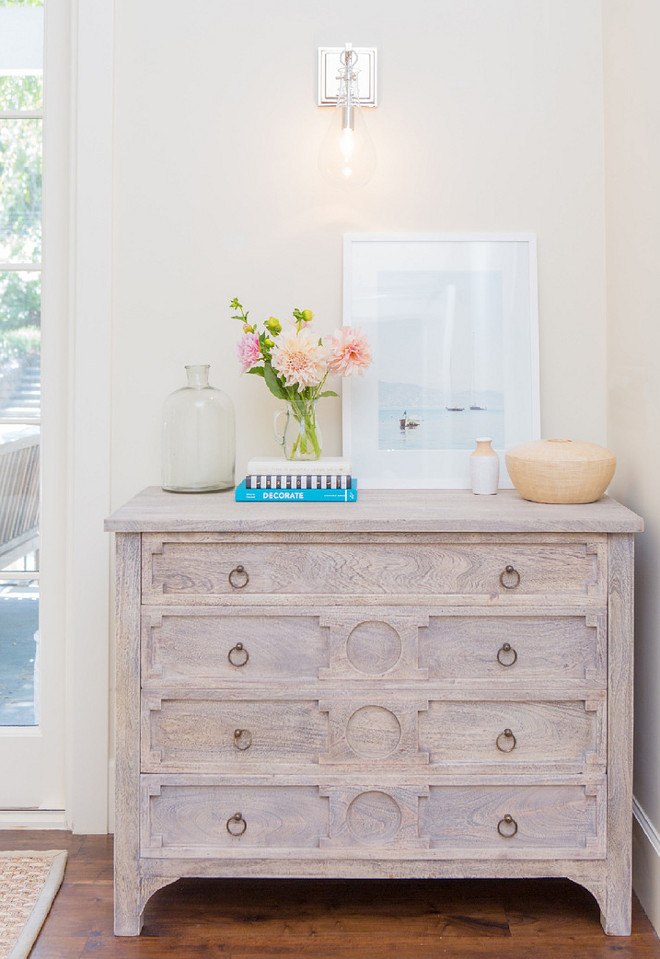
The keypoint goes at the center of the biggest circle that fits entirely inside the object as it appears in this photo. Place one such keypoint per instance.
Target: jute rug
(28, 884)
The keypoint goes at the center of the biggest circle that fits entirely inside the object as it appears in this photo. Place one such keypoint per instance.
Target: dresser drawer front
(514, 733)
(207, 820)
(517, 649)
(502, 822)
(180, 570)
(221, 731)
(195, 735)
(203, 646)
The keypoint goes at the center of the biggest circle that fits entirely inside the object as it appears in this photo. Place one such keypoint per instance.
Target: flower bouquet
(295, 364)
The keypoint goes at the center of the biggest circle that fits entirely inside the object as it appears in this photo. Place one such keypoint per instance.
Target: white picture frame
(452, 320)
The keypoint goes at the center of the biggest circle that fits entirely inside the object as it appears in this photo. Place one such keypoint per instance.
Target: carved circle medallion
(373, 818)
(373, 732)
(373, 647)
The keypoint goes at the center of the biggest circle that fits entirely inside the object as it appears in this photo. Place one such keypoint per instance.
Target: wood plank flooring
(248, 919)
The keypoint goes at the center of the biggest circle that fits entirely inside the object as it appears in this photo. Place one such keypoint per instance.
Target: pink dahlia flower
(248, 351)
(349, 352)
(299, 358)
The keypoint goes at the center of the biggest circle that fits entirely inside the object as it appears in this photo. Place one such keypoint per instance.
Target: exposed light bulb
(347, 152)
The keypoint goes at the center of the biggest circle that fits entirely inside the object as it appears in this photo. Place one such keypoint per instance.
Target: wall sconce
(347, 152)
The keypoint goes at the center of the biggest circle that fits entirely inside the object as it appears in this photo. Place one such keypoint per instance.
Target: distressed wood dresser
(419, 684)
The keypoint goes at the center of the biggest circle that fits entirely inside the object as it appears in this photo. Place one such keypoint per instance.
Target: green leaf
(273, 383)
(328, 393)
(257, 370)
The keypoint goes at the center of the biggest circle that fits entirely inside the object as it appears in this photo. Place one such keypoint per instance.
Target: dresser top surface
(426, 511)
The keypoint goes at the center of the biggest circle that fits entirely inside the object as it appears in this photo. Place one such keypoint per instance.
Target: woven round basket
(560, 471)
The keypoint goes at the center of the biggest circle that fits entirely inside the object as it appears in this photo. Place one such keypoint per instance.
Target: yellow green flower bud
(307, 315)
(273, 324)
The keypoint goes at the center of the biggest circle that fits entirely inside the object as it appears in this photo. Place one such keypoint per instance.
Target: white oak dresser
(419, 684)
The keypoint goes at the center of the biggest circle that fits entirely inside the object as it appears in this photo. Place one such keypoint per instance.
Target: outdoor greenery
(21, 3)
(15, 344)
(20, 216)
(20, 92)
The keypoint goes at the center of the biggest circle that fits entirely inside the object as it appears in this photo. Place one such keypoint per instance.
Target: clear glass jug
(199, 437)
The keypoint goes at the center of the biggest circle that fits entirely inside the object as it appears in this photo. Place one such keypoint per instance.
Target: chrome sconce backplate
(329, 66)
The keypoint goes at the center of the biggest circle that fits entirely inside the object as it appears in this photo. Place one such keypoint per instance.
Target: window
(21, 134)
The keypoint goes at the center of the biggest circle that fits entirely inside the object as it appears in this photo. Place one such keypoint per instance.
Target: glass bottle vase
(199, 437)
(300, 436)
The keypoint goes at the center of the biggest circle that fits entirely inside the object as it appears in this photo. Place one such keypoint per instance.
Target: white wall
(491, 119)
(632, 80)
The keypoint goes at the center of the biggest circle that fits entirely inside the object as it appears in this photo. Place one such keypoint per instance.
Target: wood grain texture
(192, 645)
(510, 733)
(546, 821)
(365, 678)
(127, 706)
(190, 733)
(154, 510)
(205, 820)
(542, 647)
(241, 918)
(189, 570)
(616, 919)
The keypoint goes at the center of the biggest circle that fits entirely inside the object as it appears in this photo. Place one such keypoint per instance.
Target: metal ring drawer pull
(508, 649)
(510, 571)
(236, 825)
(238, 571)
(243, 655)
(509, 739)
(242, 739)
(508, 821)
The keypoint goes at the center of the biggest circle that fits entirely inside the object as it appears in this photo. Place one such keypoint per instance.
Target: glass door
(27, 701)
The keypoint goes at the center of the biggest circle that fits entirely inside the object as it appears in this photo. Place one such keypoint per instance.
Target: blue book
(245, 495)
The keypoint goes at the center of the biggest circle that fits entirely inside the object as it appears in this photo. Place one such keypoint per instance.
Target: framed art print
(452, 320)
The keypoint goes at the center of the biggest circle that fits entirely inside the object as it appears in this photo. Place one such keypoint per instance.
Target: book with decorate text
(243, 494)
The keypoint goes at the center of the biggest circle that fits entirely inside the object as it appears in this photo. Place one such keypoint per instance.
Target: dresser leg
(128, 908)
(617, 921)
(615, 925)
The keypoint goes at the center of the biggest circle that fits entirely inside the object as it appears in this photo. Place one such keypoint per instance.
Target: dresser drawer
(216, 732)
(196, 734)
(207, 820)
(202, 646)
(514, 733)
(495, 646)
(207, 646)
(515, 822)
(198, 570)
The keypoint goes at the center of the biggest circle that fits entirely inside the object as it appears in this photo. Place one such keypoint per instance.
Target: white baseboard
(33, 819)
(646, 864)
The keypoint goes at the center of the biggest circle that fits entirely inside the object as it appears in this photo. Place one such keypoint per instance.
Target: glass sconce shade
(199, 437)
(347, 153)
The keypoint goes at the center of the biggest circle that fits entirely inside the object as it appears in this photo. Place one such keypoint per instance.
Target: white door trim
(88, 559)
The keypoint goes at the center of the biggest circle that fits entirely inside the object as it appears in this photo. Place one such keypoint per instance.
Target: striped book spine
(311, 481)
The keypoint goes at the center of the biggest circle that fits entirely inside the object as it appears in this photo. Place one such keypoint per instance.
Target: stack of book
(326, 480)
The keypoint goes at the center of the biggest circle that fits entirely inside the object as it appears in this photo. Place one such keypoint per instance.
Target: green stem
(306, 439)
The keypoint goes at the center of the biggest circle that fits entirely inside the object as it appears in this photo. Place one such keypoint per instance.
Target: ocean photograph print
(453, 321)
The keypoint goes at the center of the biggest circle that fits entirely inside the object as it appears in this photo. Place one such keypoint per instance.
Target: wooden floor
(246, 919)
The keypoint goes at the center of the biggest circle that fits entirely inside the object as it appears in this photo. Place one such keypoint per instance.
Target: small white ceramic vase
(484, 467)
